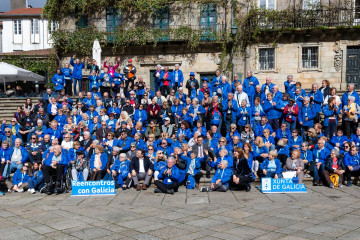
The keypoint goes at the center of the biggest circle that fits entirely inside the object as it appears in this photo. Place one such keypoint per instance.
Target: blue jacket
(224, 175)
(202, 132)
(93, 81)
(176, 110)
(346, 95)
(88, 102)
(228, 158)
(225, 89)
(320, 156)
(335, 139)
(270, 87)
(186, 132)
(118, 78)
(298, 141)
(116, 111)
(307, 156)
(356, 139)
(265, 164)
(64, 159)
(24, 154)
(270, 139)
(244, 118)
(124, 144)
(54, 134)
(122, 168)
(159, 165)
(328, 113)
(48, 108)
(61, 119)
(297, 98)
(289, 88)
(169, 179)
(233, 87)
(198, 162)
(257, 151)
(140, 115)
(3, 138)
(169, 79)
(67, 72)
(102, 78)
(271, 111)
(229, 139)
(259, 129)
(308, 111)
(4, 154)
(284, 150)
(201, 109)
(77, 72)
(280, 134)
(103, 158)
(350, 160)
(213, 83)
(180, 78)
(3, 126)
(59, 80)
(20, 177)
(234, 109)
(92, 114)
(140, 144)
(318, 100)
(250, 89)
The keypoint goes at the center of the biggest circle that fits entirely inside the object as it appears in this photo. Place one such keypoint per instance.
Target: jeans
(228, 123)
(9, 168)
(36, 183)
(290, 126)
(75, 82)
(157, 86)
(329, 130)
(74, 174)
(318, 172)
(274, 123)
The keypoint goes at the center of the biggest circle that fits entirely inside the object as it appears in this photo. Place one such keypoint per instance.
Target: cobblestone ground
(322, 213)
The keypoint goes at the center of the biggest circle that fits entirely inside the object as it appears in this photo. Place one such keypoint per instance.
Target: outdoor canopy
(11, 73)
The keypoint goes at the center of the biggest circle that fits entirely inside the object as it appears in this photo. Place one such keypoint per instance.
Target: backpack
(190, 183)
(216, 118)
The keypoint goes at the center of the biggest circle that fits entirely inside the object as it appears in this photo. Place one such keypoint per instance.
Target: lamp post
(234, 30)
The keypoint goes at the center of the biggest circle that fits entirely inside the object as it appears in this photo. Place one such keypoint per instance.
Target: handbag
(334, 179)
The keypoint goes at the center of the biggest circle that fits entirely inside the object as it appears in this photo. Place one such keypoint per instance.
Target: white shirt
(239, 97)
(16, 156)
(141, 165)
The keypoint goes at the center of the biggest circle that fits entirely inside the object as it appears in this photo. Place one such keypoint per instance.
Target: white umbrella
(96, 52)
(11, 73)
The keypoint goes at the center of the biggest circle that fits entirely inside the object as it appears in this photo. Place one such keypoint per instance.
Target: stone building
(323, 46)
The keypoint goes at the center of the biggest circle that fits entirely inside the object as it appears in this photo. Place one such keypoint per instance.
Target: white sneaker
(32, 191)
(9, 190)
(21, 190)
(307, 175)
(29, 190)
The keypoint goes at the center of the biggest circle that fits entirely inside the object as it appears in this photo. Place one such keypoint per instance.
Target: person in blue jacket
(93, 80)
(298, 96)
(54, 130)
(339, 139)
(234, 83)
(165, 81)
(177, 78)
(352, 163)
(140, 114)
(36, 181)
(259, 128)
(257, 111)
(124, 142)
(120, 171)
(225, 87)
(17, 155)
(355, 138)
(250, 82)
(350, 92)
(54, 164)
(306, 155)
(306, 115)
(98, 163)
(77, 72)
(193, 165)
(170, 176)
(58, 81)
(196, 111)
(267, 86)
(295, 140)
(156, 76)
(320, 154)
(221, 178)
(89, 100)
(20, 180)
(271, 167)
(331, 112)
(230, 110)
(244, 116)
(216, 81)
(9, 137)
(282, 132)
(316, 99)
(67, 72)
(290, 85)
(271, 111)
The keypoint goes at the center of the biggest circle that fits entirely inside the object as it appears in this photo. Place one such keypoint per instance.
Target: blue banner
(92, 188)
(281, 185)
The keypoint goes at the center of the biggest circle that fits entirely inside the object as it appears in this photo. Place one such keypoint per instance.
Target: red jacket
(291, 113)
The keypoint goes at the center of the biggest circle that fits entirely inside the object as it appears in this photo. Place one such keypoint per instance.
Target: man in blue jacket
(177, 78)
(77, 72)
(220, 181)
(352, 163)
(17, 156)
(230, 110)
(316, 99)
(54, 164)
(250, 82)
(58, 80)
(67, 72)
(170, 178)
(320, 154)
(350, 92)
(290, 85)
(306, 115)
(225, 87)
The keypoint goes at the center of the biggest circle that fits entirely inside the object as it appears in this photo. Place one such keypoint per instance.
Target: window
(34, 26)
(208, 21)
(266, 58)
(357, 9)
(52, 27)
(311, 4)
(267, 4)
(310, 57)
(17, 27)
(162, 18)
(113, 19)
(81, 22)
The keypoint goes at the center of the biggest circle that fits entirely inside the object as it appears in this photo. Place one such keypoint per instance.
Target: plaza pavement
(322, 213)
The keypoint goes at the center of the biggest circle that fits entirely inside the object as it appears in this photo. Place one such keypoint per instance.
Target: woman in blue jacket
(140, 114)
(58, 80)
(221, 178)
(244, 115)
(98, 163)
(120, 171)
(20, 179)
(271, 167)
(36, 181)
(331, 112)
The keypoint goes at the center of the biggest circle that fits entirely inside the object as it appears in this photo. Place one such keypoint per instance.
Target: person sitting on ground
(120, 171)
(36, 182)
(242, 173)
(80, 167)
(141, 168)
(271, 167)
(170, 178)
(98, 164)
(334, 165)
(20, 179)
(295, 163)
(220, 181)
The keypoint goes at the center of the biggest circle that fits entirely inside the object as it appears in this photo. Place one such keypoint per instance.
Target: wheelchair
(65, 184)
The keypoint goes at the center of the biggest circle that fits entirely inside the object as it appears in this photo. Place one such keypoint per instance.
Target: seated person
(339, 139)
(295, 163)
(307, 157)
(170, 178)
(160, 162)
(295, 140)
(242, 173)
(20, 179)
(36, 181)
(54, 164)
(351, 162)
(271, 167)
(17, 156)
(220, 181)
(334, 164)
(141, 168)
(80, 167)
(98, 163)
(320, 154)
(120, 172)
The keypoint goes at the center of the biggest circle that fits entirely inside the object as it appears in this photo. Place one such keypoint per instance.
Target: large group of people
(231, 131)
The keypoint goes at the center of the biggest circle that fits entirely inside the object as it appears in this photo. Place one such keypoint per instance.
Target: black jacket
(134, 165)
(241, 168)
(329, 163)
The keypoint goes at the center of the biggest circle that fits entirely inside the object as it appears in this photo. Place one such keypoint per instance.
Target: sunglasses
(33, 138)
(161, 153)
(7, 132)
(26, 165)
(133, 146)
(150, 149)
(163, 143)
(222, 141)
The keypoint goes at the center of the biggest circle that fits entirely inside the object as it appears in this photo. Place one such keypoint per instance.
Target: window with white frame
(17, 27)
(267, 4)
(34, 26)
(266, 58)
(311, 4)
(310, 57)
(52, 27)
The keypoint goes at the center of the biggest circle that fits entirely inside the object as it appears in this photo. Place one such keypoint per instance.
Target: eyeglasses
(246, 127)
(163, 143)
(12, 121)
(150, 149)
(161, 153)
(133, 146)
(26, 165)
(346, 146)
(33, 138)
(109, 135)
(7, 132)
(222, 141)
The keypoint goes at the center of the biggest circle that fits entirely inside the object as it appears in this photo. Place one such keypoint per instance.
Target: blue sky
(5, 4)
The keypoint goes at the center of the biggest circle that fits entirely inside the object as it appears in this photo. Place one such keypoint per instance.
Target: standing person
(306, 115)
(129, 71)
(325, 88)
(192, 83)
(331, 112)
(156, 76)
(77, 72)
(250, 82)
(350, 116)
(291, 112)
(216, 81)
(290, 85)
(178, 78)
(111, 67)
(316, 99)
(92, 66)
(166, 80)
(58, 81)
(350, 92)
(67, 72)
(230, 110)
